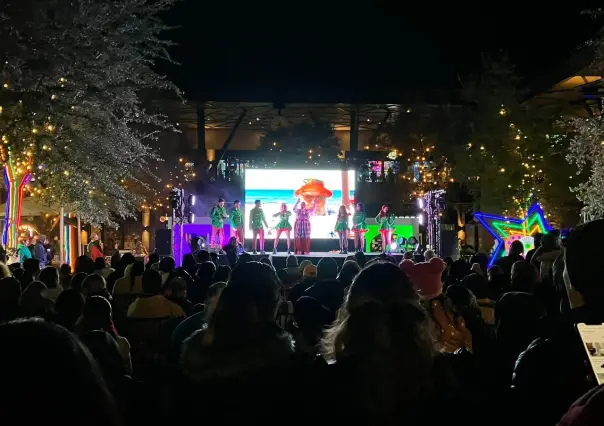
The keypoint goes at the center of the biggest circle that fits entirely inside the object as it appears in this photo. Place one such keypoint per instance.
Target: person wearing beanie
(304, 264)
(425, 276)
(451, 328)
(309, 278)
(310, 271)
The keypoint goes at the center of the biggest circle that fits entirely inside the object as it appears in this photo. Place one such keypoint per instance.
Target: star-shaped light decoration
(507, 230)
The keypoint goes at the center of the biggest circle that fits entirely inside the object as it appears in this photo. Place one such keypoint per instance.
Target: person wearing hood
(130, 286)
(40, 252)
(132, 281)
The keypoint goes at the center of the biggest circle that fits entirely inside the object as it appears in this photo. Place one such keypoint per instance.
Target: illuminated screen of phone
(592, 338)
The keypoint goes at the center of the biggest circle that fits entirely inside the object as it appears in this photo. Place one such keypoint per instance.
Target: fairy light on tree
(513, 156)
(71, 75)
(586, 150)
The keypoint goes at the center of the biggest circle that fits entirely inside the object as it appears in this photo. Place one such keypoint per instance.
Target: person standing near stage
(257, 224)
(385, 220)
(40, 252)
(236, 217)
(24, 251)
(302, 227)
(359, 227)
(342, 228)
(283, 227)
(95, 247)
(218, 215)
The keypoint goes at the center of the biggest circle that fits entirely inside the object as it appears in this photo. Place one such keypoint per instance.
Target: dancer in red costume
(302, 227)
(95, 248)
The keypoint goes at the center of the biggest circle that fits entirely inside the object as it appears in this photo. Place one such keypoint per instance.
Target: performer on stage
(342, 229)
(236, 217)
(386, 221)
(283, 226)
(302, 227)
(95, 247)
(218, 215)
(257, 224)
(359, 227)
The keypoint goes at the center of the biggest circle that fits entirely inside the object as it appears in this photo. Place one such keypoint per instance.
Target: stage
(279, 259)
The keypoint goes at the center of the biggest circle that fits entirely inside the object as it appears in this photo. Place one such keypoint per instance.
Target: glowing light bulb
(34, 131)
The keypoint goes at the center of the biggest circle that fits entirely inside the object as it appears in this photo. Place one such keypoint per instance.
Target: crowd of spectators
(368, 341)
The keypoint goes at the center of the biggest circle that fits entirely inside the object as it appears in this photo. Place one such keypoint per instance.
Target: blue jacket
(40, 253)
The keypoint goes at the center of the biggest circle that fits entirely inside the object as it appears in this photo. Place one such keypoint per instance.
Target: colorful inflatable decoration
(507, 230)
(311, 190)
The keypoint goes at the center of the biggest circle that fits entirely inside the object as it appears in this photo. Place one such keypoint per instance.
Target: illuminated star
(506, 230)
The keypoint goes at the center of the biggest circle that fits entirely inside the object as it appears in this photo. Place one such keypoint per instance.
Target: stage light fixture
(191, 200)
(420, 219)
(420, 203)
(174, 198)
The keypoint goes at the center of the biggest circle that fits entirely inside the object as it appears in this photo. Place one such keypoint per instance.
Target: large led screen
(330, 189)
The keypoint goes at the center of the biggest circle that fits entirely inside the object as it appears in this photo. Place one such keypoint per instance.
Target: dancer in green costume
(257, 224)
(386, 221)
(342, 229)
(283, 227)
(359, 227)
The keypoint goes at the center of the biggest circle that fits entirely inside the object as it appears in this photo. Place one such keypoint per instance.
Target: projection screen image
(328, 188)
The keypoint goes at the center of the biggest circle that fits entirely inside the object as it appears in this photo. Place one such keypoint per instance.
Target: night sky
(305, 51)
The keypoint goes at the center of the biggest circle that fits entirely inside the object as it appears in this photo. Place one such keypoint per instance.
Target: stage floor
(279, 259)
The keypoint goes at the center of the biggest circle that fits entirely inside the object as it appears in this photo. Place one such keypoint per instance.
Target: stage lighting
(191, 200)
(191, 217)
(393, 246)
(420, 203)
(175, 198)
(420, 219)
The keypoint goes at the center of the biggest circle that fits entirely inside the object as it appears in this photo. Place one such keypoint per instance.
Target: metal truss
(263, 116)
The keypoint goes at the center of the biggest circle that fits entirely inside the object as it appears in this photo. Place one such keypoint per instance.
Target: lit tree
(72, 119)
(422, 138)
(586, 135)
(587, 152)
(512, 156)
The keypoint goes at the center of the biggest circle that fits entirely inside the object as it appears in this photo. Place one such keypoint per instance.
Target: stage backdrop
(331, 189)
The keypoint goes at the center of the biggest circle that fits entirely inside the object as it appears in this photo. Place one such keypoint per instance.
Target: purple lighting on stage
(194, 230)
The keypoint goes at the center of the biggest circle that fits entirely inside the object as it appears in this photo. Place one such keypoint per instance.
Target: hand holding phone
(592, 338)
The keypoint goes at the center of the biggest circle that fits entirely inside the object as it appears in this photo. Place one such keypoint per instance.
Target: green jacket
(24, 253)
(218, 215)
(385, 222)
(236, 217)
(358, 221)
(257, 218)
